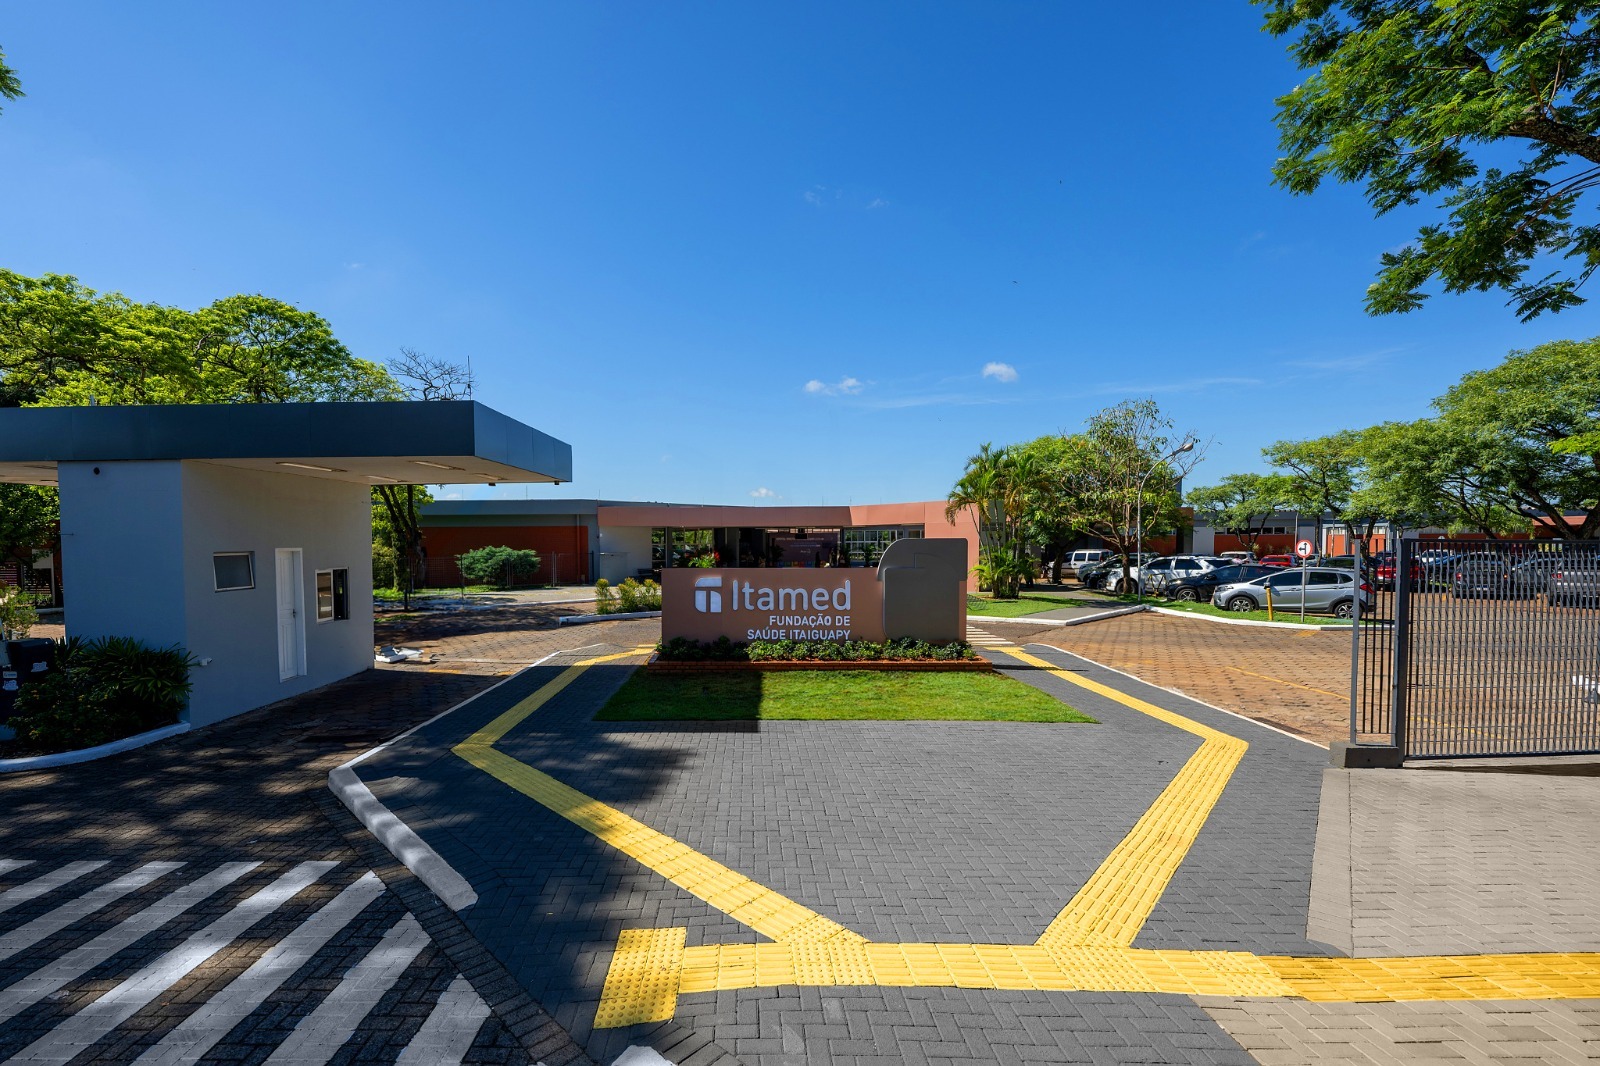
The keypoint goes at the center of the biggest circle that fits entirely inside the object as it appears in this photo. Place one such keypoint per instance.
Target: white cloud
(1002, 372)
(449, 496)
(877, 203)
(813, 196)
(764, 493)
(842, 387)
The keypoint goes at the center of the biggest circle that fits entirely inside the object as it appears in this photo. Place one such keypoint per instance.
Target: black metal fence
(1479, 647)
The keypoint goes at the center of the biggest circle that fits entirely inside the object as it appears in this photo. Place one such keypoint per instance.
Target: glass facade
(760, 547)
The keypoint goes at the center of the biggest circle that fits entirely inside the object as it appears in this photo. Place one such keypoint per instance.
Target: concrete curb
(1336, 627)
(984, 619)
(585, 619)
(403, 843)
(68, 758)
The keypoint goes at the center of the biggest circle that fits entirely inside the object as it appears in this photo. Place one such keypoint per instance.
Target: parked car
(1159, 572)
(1477, 574)
(1239, 557)
(1322, 589)
(1198, 587)
(1278, 562)
(1081, 559)
(1383, 573)
(1575, 585)
(1532, 574)
(1094, 575)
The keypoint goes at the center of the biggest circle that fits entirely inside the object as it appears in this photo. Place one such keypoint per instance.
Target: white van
(1086, 557)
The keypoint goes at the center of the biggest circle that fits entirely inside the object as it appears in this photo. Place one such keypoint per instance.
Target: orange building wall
(444, 543)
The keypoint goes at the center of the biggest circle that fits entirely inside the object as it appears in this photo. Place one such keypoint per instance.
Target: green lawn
(832, 695)
(1028, 604)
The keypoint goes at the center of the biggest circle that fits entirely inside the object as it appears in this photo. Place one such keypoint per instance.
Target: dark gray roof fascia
(279, 431)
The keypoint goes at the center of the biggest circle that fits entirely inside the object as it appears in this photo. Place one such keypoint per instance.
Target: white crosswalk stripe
(51, 881)
(201, 1030)
(322, 1032)
(56, 975)
(78, 909)
(66, 1040)
(285, 973)
(7, 865)
(445, 1037)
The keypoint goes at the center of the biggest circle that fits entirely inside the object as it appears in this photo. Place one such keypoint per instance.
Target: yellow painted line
(749, 902)
(1291, 684)
(1113, 905)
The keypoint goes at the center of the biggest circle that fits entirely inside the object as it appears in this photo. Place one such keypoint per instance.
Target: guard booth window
(333, 595)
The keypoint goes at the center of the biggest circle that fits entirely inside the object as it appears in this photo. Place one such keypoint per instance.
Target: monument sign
(918, 591)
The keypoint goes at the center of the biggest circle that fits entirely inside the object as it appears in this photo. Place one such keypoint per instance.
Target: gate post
(1399, 674)
(1353, 754)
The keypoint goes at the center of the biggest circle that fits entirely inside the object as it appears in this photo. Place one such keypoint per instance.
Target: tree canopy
(1242, 504)
(1488, 109)
(10, 84)
(62, 343)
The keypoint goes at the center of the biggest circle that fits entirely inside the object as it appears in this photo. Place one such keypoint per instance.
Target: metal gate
(1479, 647)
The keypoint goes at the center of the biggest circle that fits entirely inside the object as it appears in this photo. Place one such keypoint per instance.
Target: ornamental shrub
(605, 597)
(500, 567)
(638, 595)
(681, 649)
(99, 691)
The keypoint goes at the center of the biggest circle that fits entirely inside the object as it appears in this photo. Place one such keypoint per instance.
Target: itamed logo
(707, 594)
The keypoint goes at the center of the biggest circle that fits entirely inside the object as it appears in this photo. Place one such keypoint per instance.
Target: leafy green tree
(1525, 435)
(1048, 519)
(1423, 474)
(63, 344)
(1488, 108)
(1129, 476)
(1242, 504)
(10, 85)
(55, 331)
(1323, 476)
(29, 517)
(993, 488)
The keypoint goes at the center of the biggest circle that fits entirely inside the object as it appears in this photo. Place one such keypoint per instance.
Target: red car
(1383, 574)
(1278, 562)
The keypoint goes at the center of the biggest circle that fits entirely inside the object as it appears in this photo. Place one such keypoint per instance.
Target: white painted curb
(1337, 627)
(585, 619)
(402, 841)
(1118, 613)
(116, 747)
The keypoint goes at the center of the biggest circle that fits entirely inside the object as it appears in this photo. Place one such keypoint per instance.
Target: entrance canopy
(370, 443)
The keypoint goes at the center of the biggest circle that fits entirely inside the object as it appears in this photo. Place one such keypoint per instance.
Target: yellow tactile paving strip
(1087, 947)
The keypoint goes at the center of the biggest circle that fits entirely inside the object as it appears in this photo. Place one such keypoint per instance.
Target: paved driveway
(1294, 679)
(900, 833)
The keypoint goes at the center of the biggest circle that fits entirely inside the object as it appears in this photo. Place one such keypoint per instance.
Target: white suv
(1158, 572)
(1085, 557)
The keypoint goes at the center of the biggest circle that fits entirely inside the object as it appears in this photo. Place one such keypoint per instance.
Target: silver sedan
(1320, 588)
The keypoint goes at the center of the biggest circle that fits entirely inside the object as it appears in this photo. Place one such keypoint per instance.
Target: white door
(291, 614)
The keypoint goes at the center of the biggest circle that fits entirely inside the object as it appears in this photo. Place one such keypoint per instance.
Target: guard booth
(243, 533)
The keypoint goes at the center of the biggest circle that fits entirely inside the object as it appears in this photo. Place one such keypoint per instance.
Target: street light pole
(1138, 551)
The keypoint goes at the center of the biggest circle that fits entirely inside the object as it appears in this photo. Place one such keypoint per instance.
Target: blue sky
(742, 252)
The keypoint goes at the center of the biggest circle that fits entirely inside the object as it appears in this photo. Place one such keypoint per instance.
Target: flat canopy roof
(408, 442)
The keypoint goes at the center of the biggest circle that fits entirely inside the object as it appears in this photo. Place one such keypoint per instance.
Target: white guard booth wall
(144, 537)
